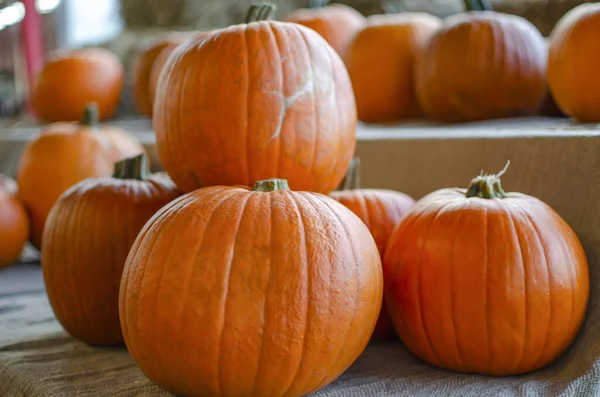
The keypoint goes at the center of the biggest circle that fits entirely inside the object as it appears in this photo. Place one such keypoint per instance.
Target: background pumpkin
(380, 62)
(70, 80)
(88, 236)
(380, 210)
(64, 154)
(482, 65)
(14, 223)
(288, 307)
(229, 113)
(485, 282)
(574, 61)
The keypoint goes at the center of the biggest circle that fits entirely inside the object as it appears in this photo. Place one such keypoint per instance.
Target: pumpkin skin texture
(256, 101)
(88, 236)
(482, 65)
(14, 223)
(495, 286)
(70, 80)
(574, 60)
(276, 292)
(380, 62)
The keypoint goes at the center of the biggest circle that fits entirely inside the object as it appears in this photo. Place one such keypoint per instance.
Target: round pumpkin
(72, 79)
(380, 62)
(64, 154)
(381, 210)
(482, 65)
(275, 292)
(336, 23)
(88, 236)
(574, 61)
(484, 281)
(257, 101)
(14, 223)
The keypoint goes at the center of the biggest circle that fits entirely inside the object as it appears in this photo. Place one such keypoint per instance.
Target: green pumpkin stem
(132, 168)
(478, 5)
(487, 186)
(260, 12)
(271, 185)
(90, 116)
(351, 180)
(317, 3)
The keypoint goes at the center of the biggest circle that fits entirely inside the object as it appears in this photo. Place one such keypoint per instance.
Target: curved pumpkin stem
(478, 5)
(271, 185)
(488, 186)
(352, 179)
(132, 168)
(90, 115)
(260, 12)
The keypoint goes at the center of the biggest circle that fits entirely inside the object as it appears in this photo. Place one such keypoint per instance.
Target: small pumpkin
(336, 23)
(72, 79)
(484, 281)
(260, 100)
(14, 223)
(482, 65)
(275, 292)
(64, 154)
(380, 62)
(88, 236)
(381, 210)
(574, 61)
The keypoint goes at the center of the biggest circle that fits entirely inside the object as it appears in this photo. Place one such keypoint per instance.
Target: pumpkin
(484, 281)
(482, 65)
(380, 210)
(380, 62)
(574, 61)
(275, 292)
(72, 79)
(14, 223)
(336, 23)
(64, 154)
(88, 236)
(259, 100)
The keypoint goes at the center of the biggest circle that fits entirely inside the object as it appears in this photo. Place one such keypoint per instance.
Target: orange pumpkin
(64, 154)
(336, 23)
(259, 100)
(484, 281)
(380, 62)
(87, 238)
(482, 65)
(381, 210)
(275, 292)
(70, 80)
(574, 61)
(14, 223)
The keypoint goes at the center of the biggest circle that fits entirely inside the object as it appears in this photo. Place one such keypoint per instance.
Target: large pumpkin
(484, 281)
(64, 154)
(381, 210)
(256, 101)
(87, 238)
(336, 23)
(14, 223)
(229, 291)
(72, 79)
(482, 65)
(380, 62)
(574, 61)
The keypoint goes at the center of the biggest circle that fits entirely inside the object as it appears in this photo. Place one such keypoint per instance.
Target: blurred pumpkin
(574, 62)
(259, 100)
(64, 154)
(380, 62)
(14, 223)
(87, 238)
(482, 65)
(275, 292)
(72, 79)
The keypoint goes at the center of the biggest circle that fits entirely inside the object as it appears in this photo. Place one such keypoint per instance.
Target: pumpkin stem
(132, 168)
(478, 5)
(271, 185)
(260, 12)
(351, 180)
(317, 3)
(488, 186)
(90, 115)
